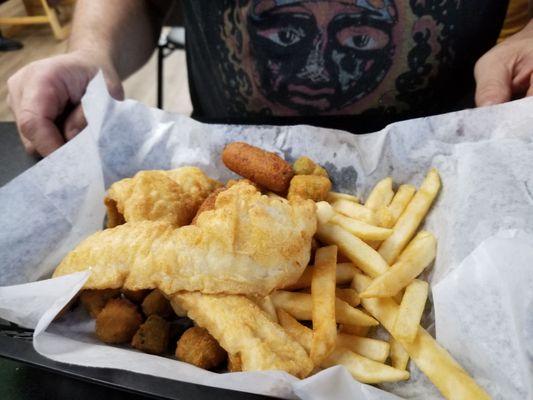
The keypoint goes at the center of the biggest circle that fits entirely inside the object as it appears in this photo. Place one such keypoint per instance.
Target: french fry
(381, 195)
(417, 256)
(356, 330)
(348, 295)
(355, 210)
(364, 369)
(398, 296)
(376, 350)
(360, 229)
(384, 217)
(344, 274)
(411, 218)
(300, 306)
(324, 212)
(334, 196)
(361, 254)
(267, 306)
(323, 298)
(398, 356)
(400, 201)
(411, 309)
(374, 243)
(302, 334)
(434, 361)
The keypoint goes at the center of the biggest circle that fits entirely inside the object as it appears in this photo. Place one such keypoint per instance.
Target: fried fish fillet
(242, 328)
(248, 244)
(167, 196)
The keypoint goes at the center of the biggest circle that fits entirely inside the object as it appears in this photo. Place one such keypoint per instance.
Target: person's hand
(506, 71)
(45, 98)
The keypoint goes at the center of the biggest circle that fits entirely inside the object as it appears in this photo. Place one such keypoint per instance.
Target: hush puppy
(262, 167)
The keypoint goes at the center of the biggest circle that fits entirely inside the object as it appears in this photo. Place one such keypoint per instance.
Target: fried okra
(196, 346)
(118, 321)
(152, 336)
(309, 187)
(156, 303)
(136, 296)
(94, 300)
(305, 166)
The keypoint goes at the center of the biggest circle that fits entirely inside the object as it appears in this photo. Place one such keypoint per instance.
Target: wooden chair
(41, 12)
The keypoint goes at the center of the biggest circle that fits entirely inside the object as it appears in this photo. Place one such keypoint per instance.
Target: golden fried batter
(118, 321)
(249, 244)
(234, 363)
(94, 301)
(152, 337)
(196, 346)
(157, 304)
(241, 327)
(168, 196)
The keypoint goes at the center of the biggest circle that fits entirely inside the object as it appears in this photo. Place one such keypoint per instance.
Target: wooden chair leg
(60, 32)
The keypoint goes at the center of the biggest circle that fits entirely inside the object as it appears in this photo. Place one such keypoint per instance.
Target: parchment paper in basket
(485, 158)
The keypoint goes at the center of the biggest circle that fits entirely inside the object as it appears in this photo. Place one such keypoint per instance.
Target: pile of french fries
(364, 275)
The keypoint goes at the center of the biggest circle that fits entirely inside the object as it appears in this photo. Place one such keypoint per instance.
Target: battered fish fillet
(241, 327)
(167, 196)
(248, 244)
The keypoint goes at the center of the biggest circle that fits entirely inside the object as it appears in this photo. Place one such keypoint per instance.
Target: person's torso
(355, 64)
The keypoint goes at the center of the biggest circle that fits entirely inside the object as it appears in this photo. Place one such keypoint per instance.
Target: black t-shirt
(356, 65)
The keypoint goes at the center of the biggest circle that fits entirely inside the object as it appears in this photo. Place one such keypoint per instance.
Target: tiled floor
(40, 43)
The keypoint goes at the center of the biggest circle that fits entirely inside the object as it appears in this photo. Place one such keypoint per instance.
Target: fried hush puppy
(262, 167)
(152, 337)
(312, 187)
(196, 346)
(209, 202)
(94, 300)
(118, 321)
(157, 304)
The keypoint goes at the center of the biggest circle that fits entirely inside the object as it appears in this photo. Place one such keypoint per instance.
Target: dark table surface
(24, 374)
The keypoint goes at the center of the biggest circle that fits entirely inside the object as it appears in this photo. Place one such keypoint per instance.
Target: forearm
(122, 33)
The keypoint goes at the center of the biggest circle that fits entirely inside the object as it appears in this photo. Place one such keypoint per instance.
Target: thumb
(493, 82)
(114, 85)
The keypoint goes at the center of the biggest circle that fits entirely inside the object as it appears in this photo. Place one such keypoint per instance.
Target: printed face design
(314, 56)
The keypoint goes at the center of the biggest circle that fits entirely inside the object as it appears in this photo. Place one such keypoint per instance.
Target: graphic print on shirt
(318, 57)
